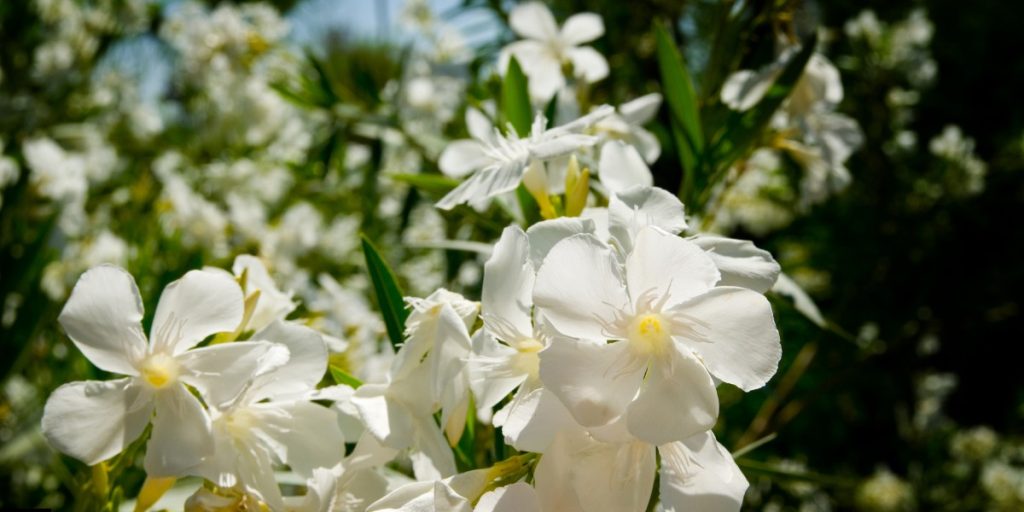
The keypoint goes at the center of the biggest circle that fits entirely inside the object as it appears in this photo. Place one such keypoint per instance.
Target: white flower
(272, 420)
(534, 414)
(458, 493)
(93, 420)
(627, 125)
(547, 49)
(272, 304)
(499, 160)
(674, 326)
(580, 473)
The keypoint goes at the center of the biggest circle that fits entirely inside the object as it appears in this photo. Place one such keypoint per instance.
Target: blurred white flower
(547, 49)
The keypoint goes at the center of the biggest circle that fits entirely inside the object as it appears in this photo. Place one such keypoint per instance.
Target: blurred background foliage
(909, 399)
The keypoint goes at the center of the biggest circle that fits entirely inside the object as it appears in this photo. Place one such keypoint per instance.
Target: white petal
(622, 167)
(256, 471)
(518, 497)
(646, 143)
(541, 67)
(744, 89)
(462, 157)
(411, 497)
(272, 304)
(181, 434)
(493, 373)
(553, 476)
(803, 303)
(641, 110)
(595, 382)
(92, 420)
(479, 125)
(221, 372)
(735, 335)
(579, 287)
(368, 453)
(306, 366)
(533, 419)
(506, 298)
(582, 28)
(431, 456)
(387, 419)
(677, 400)
(668, 268)
(616, 477)
(740, 262)
(700, 474)
(485, 184)
(103, 317)
(303, 435)
(533, 20)
(546, 233)
(588, 63)
(561, 145)
(199, 304)
(632, 209)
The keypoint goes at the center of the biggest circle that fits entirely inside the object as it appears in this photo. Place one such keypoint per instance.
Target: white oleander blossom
(505, 357)
(94, 420)
(273, 421)
(547, 50)
(500, 159)
(627, 125)
(672, 328)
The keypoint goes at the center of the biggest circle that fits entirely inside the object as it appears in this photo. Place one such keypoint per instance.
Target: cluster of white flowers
(806, 129)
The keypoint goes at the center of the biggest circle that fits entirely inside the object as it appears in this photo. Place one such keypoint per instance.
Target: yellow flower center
(649, 334)
(526, 360)
(160, 370)
(240, 423)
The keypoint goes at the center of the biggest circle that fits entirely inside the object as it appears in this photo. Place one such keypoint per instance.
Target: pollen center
(160, 370)
(649, 334)
(526, 360)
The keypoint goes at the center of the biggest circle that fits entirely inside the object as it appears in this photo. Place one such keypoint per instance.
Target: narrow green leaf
(515, 98)
(743, 128)
(677, 85)
(342, 377)
(389, 295)
(434, 184)
(528, 205)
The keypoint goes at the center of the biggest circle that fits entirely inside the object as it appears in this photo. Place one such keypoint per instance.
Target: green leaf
(528, 205)
(389, 295)
(743, 128)
(434, 184)
(677, 85)
(342, 377)
(515, 98)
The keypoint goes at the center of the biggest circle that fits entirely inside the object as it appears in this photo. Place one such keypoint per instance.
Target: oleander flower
(547, 49)
(95, 420)
(672, 328)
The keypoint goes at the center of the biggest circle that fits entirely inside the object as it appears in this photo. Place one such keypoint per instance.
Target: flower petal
(518, 497)
(302, 434)
(671, 268)
(700, 474)
(641, 110)
(595, 382)
(533, 20)
(199, 304)
(735, 335)
(677, 400)
(479, 125)
(221, 372)
(646, 143)
(462, 157)
(579, 287)
(582, 28)
(533, 418)
(103, 317)
(740, 262)
(387, 419)
(507, 295)
(181, 436)
(588, 63)
(94, 420)
(493, 373)
(803, 303)
(272, 304)
(487, 183)
(546, 233)
(306, 365)
(622, 167)
(632, 209)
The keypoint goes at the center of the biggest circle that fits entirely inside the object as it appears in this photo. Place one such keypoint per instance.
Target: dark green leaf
(681, 98)
(389, 295)
(342, 377)
(515, 98)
